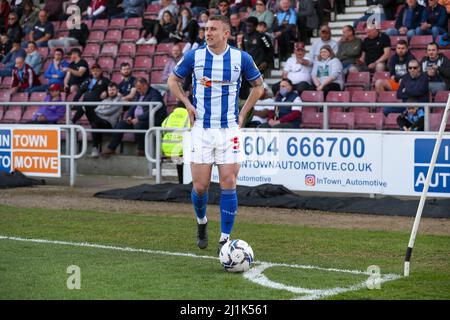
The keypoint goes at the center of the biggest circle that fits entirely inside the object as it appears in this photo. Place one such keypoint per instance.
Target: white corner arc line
(254, 274)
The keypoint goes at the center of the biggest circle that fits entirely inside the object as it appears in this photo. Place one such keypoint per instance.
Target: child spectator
(51, 114)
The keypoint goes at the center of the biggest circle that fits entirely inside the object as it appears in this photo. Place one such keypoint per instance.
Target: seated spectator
(151, 27)
(55, 72)
(223, 8)
(203, 19)
(96, 10)
(307, 20)
(376, 49)
(258, 45)
(285, 117)
(167, 25)
(4, 13)
(412, 119)
(262, 13)
(325, 39)
(262, 28)
(446, 4)
(14, 30)
(199, 41)
(435, 22)
(94, 89)
(199, 6)
(327, 72)
(54, 8)
(33, 58)
(126, 86)
(29, 17)
(138, 117)
(298, 70)
(285, 28)
(410, 17)
(237, 28)
(76, 37)
(24, 77)
(9, 61)
(413, 87)
(349, 50)
(437, 67)
(397, 68)
(131, 9)
(5, 46)
(76, 73)
(260, 113)
(176, 56)
(42, 31)
(104, 117)
(51, 114)
(187, 28)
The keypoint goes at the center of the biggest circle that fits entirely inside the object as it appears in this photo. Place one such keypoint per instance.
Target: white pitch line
(254, 274)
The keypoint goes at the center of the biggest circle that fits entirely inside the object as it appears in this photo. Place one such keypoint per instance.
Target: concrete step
(339, 24)
(359, 2)
(348, 16)
(356, 9)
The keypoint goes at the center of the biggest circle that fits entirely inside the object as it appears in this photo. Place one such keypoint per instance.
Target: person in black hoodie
(437, 67)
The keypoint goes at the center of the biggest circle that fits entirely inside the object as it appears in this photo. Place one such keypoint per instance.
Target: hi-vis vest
(172, 142)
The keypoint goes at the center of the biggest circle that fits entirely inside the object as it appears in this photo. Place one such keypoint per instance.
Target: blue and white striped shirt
(216, 80)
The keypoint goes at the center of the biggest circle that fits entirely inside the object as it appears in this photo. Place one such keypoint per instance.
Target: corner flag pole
(425, 189)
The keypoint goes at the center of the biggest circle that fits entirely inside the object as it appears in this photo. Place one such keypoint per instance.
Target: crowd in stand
(269, 30)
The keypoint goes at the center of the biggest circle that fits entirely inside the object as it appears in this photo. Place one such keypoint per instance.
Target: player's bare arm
(256, 92)
(176, 88)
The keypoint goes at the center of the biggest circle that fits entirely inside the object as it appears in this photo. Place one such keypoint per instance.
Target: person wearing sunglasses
(262, 13)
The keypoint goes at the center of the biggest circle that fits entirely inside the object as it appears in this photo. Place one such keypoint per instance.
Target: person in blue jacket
(410, 17)
(435, 20)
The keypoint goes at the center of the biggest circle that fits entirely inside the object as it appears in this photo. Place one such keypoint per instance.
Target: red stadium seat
(441, 96)
(312, 120)
(159, 62)
(5, 95)
(164, 48)
(100, 24)
(365, 120)
(131, 35)
(114, 36)
(123, 59)
(420, 42)
(388, 96)
(116, 77)
(394, 40)
(390, 122)
(419, 54)
(435, 122)
(91, 50)
(446, 53)
(342, 120)
(358, 79)
(127, 49)
(109, 49)
(133, 23)
(43, 79)
(96, 37)
(142, 63)
(337, 96)
(363, 96)
(156, 77)
(2, 111)
(28, 113)
(142, 74)
(88, 23)
(386, 24)
(6, 83)
(311, 96)
(153, 8)
(116, 24)
(145, 49)
(107, 63)
(14, 113)
(384, 75)
(90, 61)
(360, 27)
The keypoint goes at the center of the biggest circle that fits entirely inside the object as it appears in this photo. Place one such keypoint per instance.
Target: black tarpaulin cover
(17, 179)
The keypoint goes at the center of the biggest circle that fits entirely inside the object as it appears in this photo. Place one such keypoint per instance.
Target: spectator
(24, 77)
(174, 59)
(33, 58)
(262, 28)
(131, 9)
(285, 28)
(167, 25)
(199, 6)
(5, 46)
(262, 13)
(349, 50)
(397, 68)
(411, 119)
(93, 89)
(96, 10)
(203, 19)
(76, 37)
(151, 27)
(29, 18)
(327, 72)
(76, 73)
(14, 31)
(42, 31)
(435, 22)
(54, 8)
(9, 61)
(55, 72)
(376, 49)
(260, 113)
(437, 67)
(410, 17)
(285, 117)
(414, 85)
(223, 8)
(237, 29)
(258, 45)
(4, 14)
(104, 117)
(307, 20)
(446, 4)
(325, 39)
(126, 87)
(138, 117)
(50, 114)
(187, 28)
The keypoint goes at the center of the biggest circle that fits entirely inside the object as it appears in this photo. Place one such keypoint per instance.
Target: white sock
(202, 221)
(224, 236)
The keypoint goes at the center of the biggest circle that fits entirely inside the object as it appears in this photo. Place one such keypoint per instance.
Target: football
(236, 256)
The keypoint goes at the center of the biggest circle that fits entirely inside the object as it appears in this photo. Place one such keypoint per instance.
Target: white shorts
(219, 146)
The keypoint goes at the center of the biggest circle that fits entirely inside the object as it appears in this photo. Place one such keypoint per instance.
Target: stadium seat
(390, 122)
(365, 120)
(145, 49)
(116, 24)
(6, 83)
(5, 95)
(2, 111)
(388, 96)
(395, 39)
(420, 42)
(100, 24)
(96, 37)
(353, 89)
(43, 79)
(435, 122)
(156, 77)
(311, 96)
(441, 96)
(133, 23)
(28, 113)
(91, 50)
(446, 53)
(358, 79)
(159, 62)
(363, 96)
(342, 120)
(386, 24)
(88, 24)
(127, 49)
(419, 54)
(384, 75)
(90, 61)
(109, 49)
(142, 74)
(142, 63)
(337, 96)
(164, 48)
(122, 59)
(153, 8)
(114, 36)
(360, 27)
(107, 63)
(313, 120)
(116, 77)
(14, 113)
(131, 35)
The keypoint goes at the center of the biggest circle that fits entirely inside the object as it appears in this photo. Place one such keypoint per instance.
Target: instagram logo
(310, 180)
